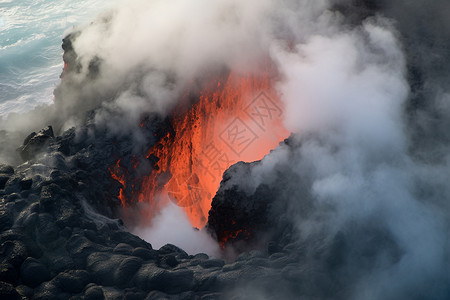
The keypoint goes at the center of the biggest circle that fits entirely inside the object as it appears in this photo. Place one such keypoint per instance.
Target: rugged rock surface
(36, 142)
(54, 243)
(60, 237)
(58, 240)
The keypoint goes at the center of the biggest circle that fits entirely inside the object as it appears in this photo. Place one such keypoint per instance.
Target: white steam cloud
(345, 89)
(172, 226)
(150, 51)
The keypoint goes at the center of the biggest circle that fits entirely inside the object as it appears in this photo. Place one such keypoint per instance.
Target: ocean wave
(30, 48)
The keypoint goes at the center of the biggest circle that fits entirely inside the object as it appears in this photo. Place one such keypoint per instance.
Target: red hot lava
(238, 119)
(119, 173)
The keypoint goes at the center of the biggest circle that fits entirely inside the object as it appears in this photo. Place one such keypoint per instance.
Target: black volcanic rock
(61, 238)
(56, 245)
(126, 270)
(103, 267)
(170, 260)
(72, 281)
(8, 273)
(36, 142)
(94, 292)
(33, 272)
(79, 247)
(245, 219)
(6, 219)
(49, 290)
(5, 174)
(3, 180)
(7, 291)
(145, 254)
(212, 263)
(151, 277)
(13, 251)
(6, 169)
(172, 249)
(123, 248)
(26, 183)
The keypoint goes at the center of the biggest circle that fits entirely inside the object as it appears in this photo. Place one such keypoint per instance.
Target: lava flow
(118, 173)
(237, 119)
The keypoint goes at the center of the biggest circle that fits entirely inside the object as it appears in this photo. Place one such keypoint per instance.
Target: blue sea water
(30, 47)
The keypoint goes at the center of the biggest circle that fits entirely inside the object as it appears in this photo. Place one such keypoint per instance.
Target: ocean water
(30, 47)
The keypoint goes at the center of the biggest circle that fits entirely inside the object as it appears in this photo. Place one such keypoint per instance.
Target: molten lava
(236, 118)
(225, 236)
(119, 173)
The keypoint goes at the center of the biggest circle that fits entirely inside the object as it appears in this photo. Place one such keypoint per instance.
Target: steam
(364, 145)
(172, 226)
(345, 95)
(171, 45)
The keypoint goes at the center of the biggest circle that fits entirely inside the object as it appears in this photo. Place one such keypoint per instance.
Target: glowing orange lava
(118, 173)
(227, 235)
(239, 119)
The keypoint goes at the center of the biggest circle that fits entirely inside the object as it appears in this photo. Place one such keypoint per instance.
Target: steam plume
(367, 103)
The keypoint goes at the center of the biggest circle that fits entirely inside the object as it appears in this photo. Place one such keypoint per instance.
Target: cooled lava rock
(236, 216)
(35, 142)
(61, 239)
(60, 236)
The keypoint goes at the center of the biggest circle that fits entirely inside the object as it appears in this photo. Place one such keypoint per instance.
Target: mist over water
(30, 48)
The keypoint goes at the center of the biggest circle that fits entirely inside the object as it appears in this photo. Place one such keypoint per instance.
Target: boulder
(35, 143)
(79, 247)
(25, 184)
(123, 248)
(33, 272)
(172, 249)
(212, 263)
(6, 170)
(134, 294)
(145, 254)
(72, 281)
(7, 292)
(157, 295)
(48, 231)
(130, 239)
(8, 273)
(49, 291)
(25, 291)
(50, 197)
(236, 216)
(151, 277)
(6, 219)
(13, 251)
(126, 270)
(103, 267)
(207, 281)
(3, 180)
(170, 260)
(93, 292)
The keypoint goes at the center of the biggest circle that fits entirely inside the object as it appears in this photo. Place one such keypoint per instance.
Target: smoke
(140, 56)
(364, 154)
(172, 226)
(17, 126)
(366, 97)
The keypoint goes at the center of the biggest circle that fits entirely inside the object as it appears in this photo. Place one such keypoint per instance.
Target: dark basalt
(6, 170)
(33, 272)
(61, 236)
(54, 244)
(35, 143)
(237, 216)
(8, 292)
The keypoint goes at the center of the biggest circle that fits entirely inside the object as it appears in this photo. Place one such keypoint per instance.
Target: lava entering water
(239, 119)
